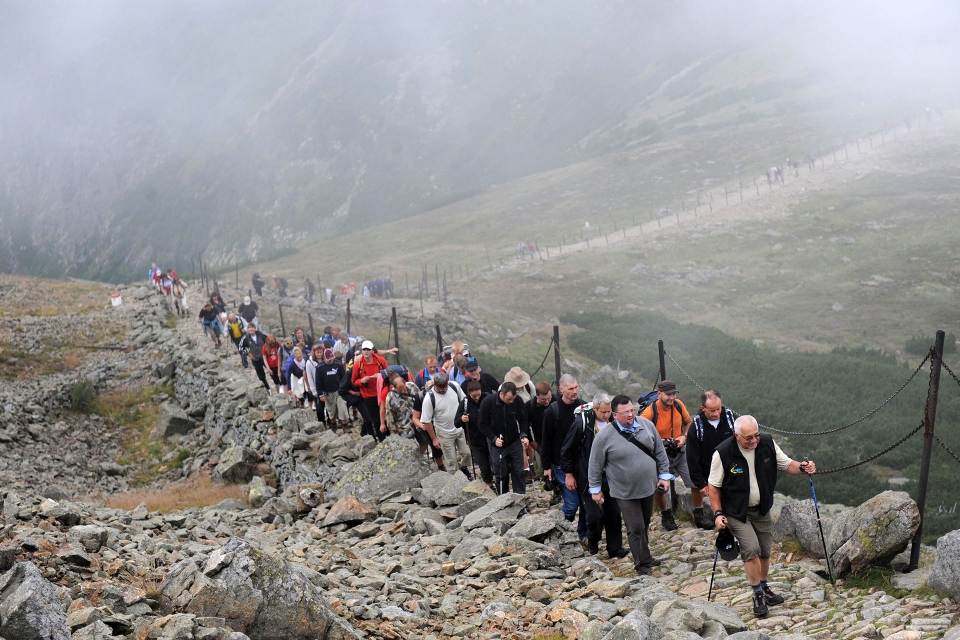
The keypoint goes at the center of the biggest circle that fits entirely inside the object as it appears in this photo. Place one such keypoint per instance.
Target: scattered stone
(174, 421)
(236, 465)
(31, 607)
(872, 533)
(945, 576)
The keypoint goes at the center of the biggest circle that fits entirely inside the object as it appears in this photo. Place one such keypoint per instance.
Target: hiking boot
(529, 476)
(701, 520)
(759, 604)
(556, 499)
(585, 543)
(666, 517)
(770, 597)
(644, 571)
(466, 472)
(594, 549)
(655, 563)
(622, 552)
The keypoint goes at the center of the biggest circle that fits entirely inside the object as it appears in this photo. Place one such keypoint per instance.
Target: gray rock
(635, 626)
(719, 613)
(293, 419)
(534, 527)
(675, 616)
(90, 537)
(945, 576)
(259, 492)
(468, 549)
(350, 510)
(873, 533)
(114, 469)
(749, 635)
(32, 608)
(451, 492)
(494, 608)
(96, 631)
(504, 509)
(236, 465)
(257, 593)
(174, 421)
(394, 466)
(596, 630)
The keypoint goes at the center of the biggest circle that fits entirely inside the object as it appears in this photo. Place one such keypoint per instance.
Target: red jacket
(362, 369)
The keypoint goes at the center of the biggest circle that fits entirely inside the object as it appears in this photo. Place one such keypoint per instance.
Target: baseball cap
(472, 365)
(667, 386)
(328, 354)
(366, 345)
(727, 545)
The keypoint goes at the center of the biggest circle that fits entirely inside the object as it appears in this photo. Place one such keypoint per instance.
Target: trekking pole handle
(805, 464)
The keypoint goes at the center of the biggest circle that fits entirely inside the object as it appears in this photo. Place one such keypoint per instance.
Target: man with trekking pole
(503, 419)
(743, 475)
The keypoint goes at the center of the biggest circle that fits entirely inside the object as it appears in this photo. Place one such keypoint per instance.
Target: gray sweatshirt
(631, 473)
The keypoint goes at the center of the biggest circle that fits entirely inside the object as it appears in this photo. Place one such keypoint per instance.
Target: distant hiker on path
(257, 283)
(743, 476)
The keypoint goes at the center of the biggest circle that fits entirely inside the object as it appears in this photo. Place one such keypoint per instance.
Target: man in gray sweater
(631, 454)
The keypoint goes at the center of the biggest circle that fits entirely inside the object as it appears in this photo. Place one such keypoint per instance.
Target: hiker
(366, 369)
(249, 312)
(575, 462)
(556, 422)
(299, 335)
(310, 393)
(525, 391)
(343, 345)
(630, 452)
(152, 276)
(672, 420)
(438, 418)
(294, 375)
(741, 486)
(280, 284)
(472, 371)
(217, 301)
(210, 320)
(503, 418)
(430, 368)
(235, 332)
(536, 407)
(398, 405)
(328, 377)
(271, 358)
(308, 290)
(468, 416)
(252, 344)
(257, 283)
(711, 426)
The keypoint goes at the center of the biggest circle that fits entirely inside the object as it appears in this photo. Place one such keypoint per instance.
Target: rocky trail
(343, 539)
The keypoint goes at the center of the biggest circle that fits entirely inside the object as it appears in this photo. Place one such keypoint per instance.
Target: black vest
(735, 492)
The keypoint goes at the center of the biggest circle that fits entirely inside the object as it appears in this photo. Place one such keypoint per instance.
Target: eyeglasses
(440, 389)
(752, 438)
(628, 412)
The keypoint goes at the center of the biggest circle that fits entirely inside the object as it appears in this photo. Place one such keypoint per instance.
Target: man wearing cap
(472, 371)
(743, 476)
(249, 312)
(630, 452)
(672, 420)
(711, 426)
(526, 391)
(439, 419)
(366, 369)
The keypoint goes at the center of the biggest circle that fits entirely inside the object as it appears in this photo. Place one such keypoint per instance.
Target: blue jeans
(571, 502)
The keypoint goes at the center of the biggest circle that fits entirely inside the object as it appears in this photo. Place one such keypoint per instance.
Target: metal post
(348, 316)
(310, 321)
(556, 353)
(929, 423)
(193, 270)
(237, 272)
(283, 328)
(439, 340)
(396, 333)
(663, 362)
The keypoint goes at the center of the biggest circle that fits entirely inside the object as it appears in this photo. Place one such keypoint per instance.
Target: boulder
(90, 537)
(31, 607)
(394, 466)
(635, 626)
(534, 527)
(259, 492)
(873, 533)
(236, 465)
(500, 513)
(450, 493)
(945, 576)
(174, 421)
(350, 510)
(256, 593)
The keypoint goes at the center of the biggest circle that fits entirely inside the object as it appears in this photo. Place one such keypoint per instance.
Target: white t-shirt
(443, 415)
(716, 470)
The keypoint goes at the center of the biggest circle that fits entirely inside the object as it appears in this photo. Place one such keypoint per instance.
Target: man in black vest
(743, 475)
(711, 426)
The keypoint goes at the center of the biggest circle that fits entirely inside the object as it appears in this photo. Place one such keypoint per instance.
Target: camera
(670, 444)
(660, 490)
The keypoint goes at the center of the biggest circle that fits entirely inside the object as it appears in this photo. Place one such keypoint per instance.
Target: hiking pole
(716, 554)
(473, 463)
(500, 467)
(823, 540)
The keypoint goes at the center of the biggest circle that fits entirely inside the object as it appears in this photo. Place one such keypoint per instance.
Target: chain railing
(877, 455)
(946, 448)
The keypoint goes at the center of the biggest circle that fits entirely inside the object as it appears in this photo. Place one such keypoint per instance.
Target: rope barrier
(875, 456)
(544, 362)
(944, 365)
(946, 448)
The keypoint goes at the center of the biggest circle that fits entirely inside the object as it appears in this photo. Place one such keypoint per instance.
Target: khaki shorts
(755, 535)
(336, 407)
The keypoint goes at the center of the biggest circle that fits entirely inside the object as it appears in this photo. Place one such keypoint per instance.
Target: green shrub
(82, 395)
(921, 344)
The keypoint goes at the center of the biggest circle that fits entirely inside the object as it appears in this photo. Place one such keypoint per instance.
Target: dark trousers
(481, 455)
(243, 354)
(636, 515)
(600, 518)
(370, 412)
(258, 366)
(507, 462)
